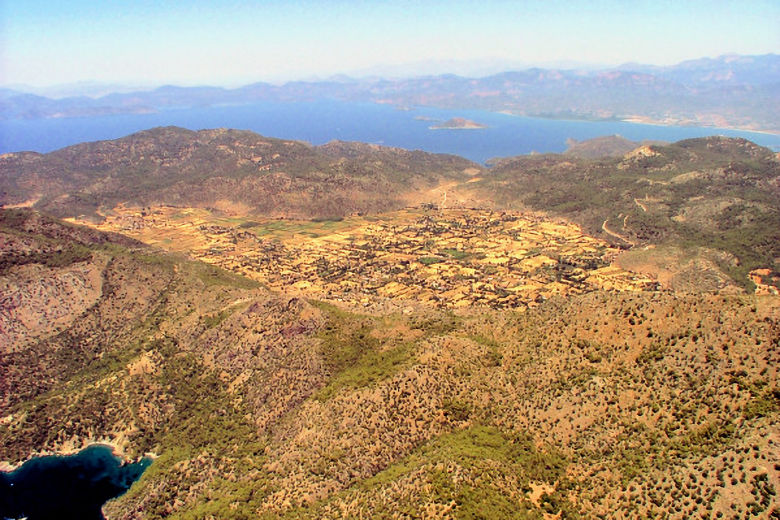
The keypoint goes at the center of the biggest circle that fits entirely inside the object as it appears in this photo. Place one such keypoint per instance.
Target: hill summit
(222, 168)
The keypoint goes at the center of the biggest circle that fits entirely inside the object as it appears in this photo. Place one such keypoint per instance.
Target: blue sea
(322, 121)
(71, 487)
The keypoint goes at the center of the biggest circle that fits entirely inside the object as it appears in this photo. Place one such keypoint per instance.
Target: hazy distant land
(738, 92)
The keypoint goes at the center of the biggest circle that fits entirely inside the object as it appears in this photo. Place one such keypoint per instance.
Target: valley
(437, 257)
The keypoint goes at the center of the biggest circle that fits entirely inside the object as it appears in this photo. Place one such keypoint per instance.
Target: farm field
(444, 258)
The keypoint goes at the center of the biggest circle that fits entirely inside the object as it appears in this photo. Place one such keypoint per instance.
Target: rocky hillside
(265, 406)
(223, 169)
(598, 147)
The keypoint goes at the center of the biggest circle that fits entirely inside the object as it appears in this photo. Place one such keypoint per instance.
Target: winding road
(613, 234)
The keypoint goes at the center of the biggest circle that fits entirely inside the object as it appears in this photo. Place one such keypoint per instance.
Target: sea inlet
(67, 487)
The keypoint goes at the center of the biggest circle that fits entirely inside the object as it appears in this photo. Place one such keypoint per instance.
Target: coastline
(656, 122)
(370, 122)
(7, 466)
(641, 120)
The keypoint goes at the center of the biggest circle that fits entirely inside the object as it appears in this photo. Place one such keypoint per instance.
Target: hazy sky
(233, 42)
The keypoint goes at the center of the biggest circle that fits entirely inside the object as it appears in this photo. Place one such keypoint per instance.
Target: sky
(234, 42)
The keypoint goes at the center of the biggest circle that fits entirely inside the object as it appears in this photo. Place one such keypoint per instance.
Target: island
(458, 123)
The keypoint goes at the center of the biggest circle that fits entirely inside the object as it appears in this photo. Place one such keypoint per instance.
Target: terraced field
(444, 258)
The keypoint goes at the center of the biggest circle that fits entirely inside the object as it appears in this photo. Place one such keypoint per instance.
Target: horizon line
(360, 75)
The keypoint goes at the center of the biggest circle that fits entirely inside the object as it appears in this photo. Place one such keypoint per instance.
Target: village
(445, 258)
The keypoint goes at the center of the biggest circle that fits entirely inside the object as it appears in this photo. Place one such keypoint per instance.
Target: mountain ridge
(270, 175)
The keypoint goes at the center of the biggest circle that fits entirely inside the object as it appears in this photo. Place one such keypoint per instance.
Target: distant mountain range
(728, 91)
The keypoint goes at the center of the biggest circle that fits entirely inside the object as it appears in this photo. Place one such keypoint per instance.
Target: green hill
(717, 197)
(223, 168)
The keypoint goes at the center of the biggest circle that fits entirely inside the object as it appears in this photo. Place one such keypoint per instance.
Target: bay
(55, 487)
(318, 122)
